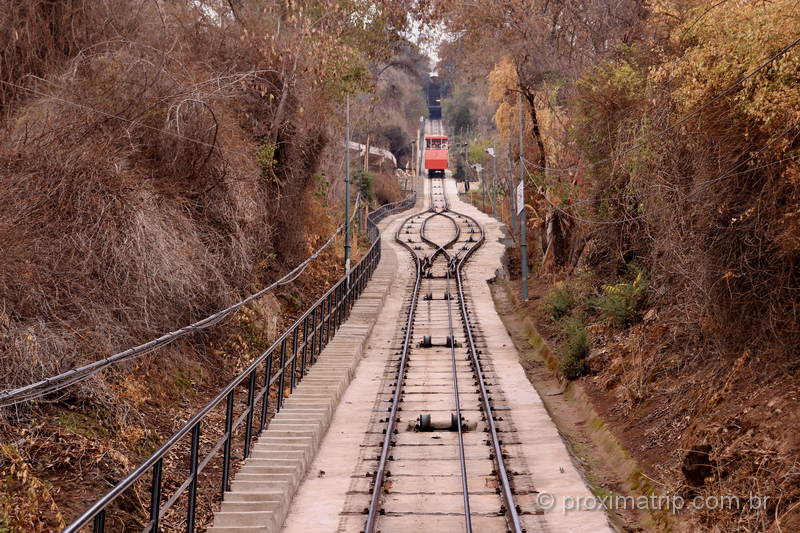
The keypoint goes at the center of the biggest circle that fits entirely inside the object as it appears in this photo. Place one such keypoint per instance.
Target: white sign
(521, 197)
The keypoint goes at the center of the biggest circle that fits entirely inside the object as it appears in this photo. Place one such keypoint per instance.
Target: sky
(428, 39)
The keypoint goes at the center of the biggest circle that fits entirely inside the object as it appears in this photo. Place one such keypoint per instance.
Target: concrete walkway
(322, 496)
(262, 491)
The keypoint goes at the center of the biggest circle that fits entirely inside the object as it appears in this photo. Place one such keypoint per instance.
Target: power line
(70, 377)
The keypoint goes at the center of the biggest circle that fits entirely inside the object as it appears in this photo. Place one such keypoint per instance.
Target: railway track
(440, 460)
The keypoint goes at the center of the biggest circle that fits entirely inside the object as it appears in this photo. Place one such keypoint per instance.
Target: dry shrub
(39, 36)
(132, 202)
(27, 495)
(386, 188)
(710, 206)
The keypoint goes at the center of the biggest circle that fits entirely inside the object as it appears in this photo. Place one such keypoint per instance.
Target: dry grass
(131, 199)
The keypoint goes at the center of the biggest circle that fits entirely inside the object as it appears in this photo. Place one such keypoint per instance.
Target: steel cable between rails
(63, 380)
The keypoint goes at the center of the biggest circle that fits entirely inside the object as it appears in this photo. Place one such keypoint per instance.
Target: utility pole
(347, 193)
(512, 205)
(413, 159)
(465, 167)
(421, 148)
(523, 242)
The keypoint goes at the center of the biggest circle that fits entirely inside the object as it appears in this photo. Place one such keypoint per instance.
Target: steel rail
(380, 473)
(502, 473)
(442, 248)
(497, 452)
(457, 397)
(377, 489)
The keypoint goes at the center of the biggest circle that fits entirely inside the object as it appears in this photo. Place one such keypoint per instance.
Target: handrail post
(267, 387)
(251, 402)
(305, 347)
(282, 379)
(155, 496)
(99, 522)
(313, 334)
(293, 377)
(226, 454)
(192, 500)
(337, 309)
(327, 322)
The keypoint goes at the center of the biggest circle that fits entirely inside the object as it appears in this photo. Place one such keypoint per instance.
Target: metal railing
(262, 386)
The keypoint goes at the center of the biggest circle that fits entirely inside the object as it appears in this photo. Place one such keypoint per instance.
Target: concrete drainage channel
(262, 490)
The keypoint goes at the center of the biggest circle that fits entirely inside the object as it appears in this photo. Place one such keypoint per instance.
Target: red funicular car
(436, 155)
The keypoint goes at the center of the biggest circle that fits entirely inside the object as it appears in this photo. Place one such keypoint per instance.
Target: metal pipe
(494, 187)
(512, 203)
(462, 460)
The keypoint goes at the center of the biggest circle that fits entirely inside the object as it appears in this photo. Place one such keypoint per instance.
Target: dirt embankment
(647, 412)
(715, 435)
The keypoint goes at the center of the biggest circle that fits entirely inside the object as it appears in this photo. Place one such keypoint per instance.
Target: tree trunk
(554, 231)
(541, 161)
(277, 121)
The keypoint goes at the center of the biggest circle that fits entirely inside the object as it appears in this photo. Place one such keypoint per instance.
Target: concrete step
(246, 519)
(262, 489)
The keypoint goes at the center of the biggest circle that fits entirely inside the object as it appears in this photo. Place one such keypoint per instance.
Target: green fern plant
(619, 303)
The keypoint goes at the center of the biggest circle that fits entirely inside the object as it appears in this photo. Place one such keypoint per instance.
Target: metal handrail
(316, 327)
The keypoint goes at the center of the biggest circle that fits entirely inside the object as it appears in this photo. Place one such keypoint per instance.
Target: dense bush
(559, 302)
(709, 207)
(619, 303)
